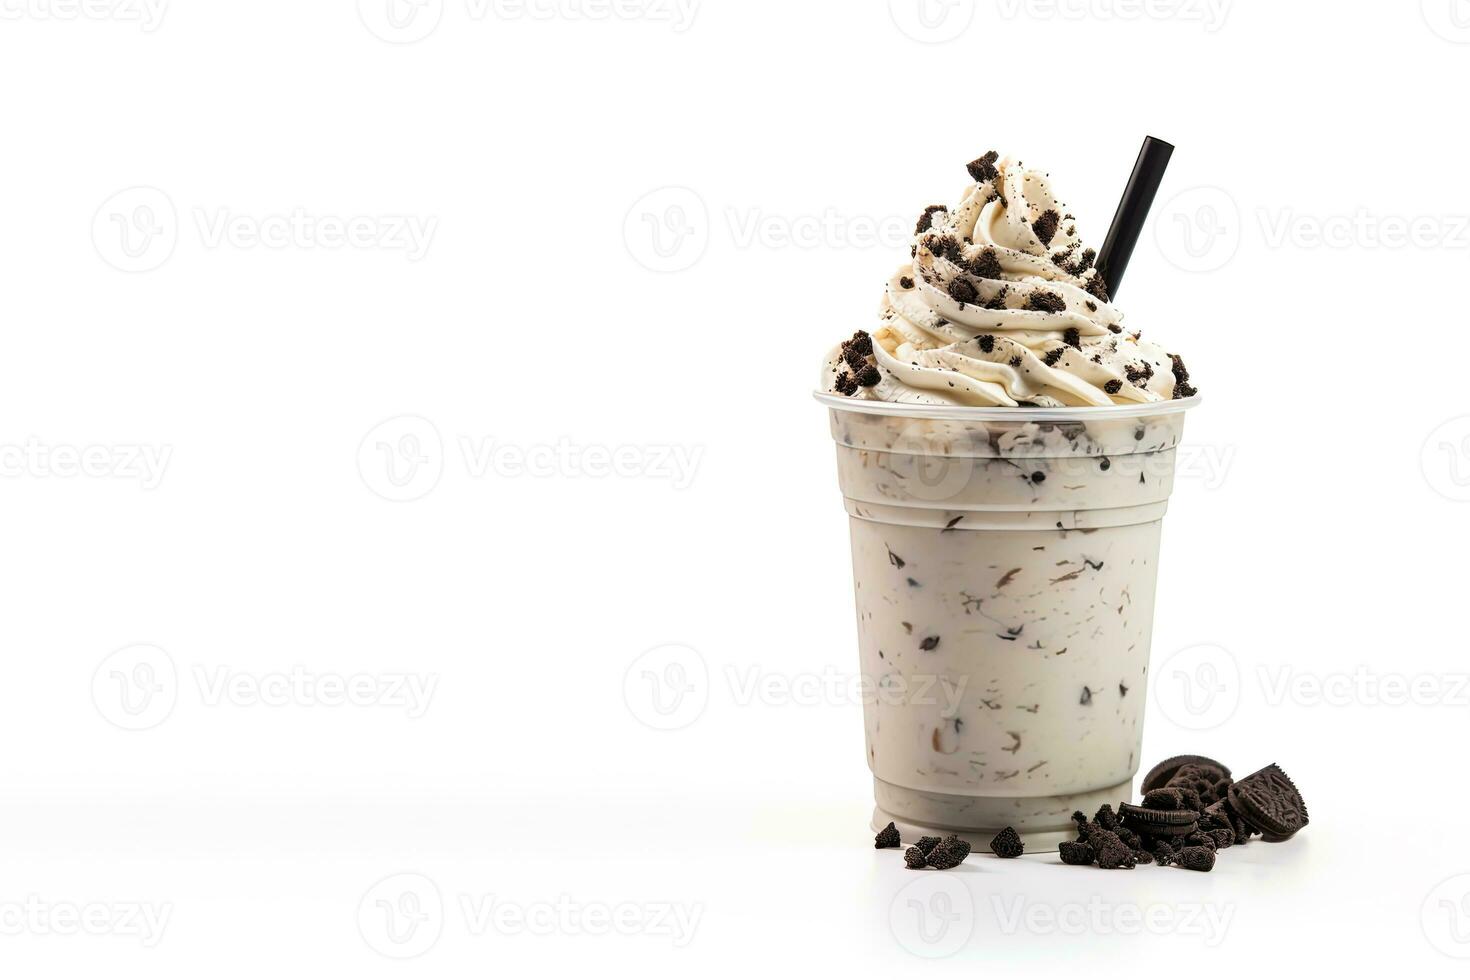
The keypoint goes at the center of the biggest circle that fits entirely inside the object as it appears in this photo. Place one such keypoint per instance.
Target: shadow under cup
(1004, 562)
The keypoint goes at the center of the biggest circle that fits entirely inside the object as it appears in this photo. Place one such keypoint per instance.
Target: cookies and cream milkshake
(1005, 448)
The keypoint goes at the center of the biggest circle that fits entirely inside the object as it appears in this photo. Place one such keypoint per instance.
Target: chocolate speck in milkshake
(1113, 387)
(905, 282)
(1105, 464)
(1092, 307)
(1053, 355)
(998, 301)
(894, 560)
(952, 523)
(1006, 578)
(1098, 288)
(914, 583)
(1015, 745)
(929, 643)
(1044, 301)
(963, 291)
(1038, 477)
(1122, 690)
(1046, 226)
(1073, 337)
(985, 342)
(1086, 695)
(986, 265)
(983, 168)
(1016, 361)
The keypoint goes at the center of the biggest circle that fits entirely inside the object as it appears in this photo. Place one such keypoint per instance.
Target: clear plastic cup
(1004, 562)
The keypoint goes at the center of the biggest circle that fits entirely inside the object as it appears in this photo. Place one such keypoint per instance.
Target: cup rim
(1002, 413)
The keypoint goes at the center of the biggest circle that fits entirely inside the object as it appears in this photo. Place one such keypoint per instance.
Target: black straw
(1138, 197)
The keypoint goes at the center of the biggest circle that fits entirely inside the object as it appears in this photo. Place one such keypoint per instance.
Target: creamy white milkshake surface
(1002, 306)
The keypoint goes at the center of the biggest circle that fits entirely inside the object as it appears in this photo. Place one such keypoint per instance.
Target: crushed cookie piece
(868, 376)
(1072, 337)
(1046, 302)
(1053, 355)
(986, 265)
(1046, 226)
(905, 282)
(1113, 387)
(985, 342)
(926, 220)
(845, 385)
(962, 291)
(983, 168)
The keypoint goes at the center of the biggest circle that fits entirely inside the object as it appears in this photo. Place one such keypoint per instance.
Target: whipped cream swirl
(1002, 305)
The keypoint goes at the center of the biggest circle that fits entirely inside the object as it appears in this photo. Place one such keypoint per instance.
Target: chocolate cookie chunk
(1076, 852)
(1158, 823)
(1159, 775)
(1269, 801)
(948, 853)
(1007, 844)
(887, 837)
(1196, 859)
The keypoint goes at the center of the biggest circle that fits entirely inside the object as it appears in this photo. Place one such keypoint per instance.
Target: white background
(551, 311)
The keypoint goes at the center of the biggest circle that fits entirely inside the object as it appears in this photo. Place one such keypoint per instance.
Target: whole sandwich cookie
(1269, 801)
(1158, 823)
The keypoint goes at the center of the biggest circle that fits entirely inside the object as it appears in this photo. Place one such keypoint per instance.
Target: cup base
(979, 818)
(1035, 842)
